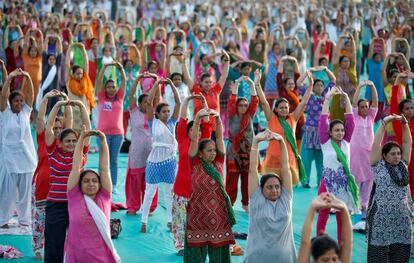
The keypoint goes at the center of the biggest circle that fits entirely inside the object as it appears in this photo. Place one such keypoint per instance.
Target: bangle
(383, 123)
(404, 122)
(226, 60)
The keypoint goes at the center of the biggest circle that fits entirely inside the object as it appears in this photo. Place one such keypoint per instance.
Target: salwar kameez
(271, 162)
(17, 164)
(209, 228)
(334, 178)
(161, 165)
(238, 148)
(389, 218)
(360, 150)
(139, 150)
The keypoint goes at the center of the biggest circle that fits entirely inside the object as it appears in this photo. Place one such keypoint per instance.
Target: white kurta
(17, 164)
(17, 148)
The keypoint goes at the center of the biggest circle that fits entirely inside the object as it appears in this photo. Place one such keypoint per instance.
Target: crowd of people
(191, 88)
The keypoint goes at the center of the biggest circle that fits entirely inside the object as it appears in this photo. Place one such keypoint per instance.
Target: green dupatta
(292, 141)
(352, 186)
(213, 173)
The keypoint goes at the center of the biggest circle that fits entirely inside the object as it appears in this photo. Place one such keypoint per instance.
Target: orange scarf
(83, 87)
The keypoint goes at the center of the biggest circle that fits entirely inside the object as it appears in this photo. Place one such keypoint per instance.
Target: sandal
(236, 250)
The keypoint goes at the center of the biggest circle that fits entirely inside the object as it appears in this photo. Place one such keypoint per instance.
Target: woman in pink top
(110, 120)
(361, 142)
(89, 205)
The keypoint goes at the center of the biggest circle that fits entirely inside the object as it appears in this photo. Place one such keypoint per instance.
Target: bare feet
(169, 225)
(144, 228)
(245, 208)
(38, 256)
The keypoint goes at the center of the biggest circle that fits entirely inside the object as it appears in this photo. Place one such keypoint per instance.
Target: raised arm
(225, 73)
(219, 132)
(5, 91)
(68, 113)
(284, 161)
(74, 175)
(152, 94)
(122, 86)
(405, 61)
(137, 58)
(39, 41)
(59, 48)
(320, 202)
(177, 100)
(262, 99)
(46, 43)
(186, 76)
(376, 155)
(346, 230)
(3, 72)
(330, 74)
(374, 92)
(99, 81)
(28, 41)
(253, 181)
(326, 200)
(27, 89)
(184, 107)
(67, 62)
(323, 119)
(356, 94)
(384, 70)
(349, 117)
(6, 36)
(41, 115)
(104, 172)
(302, 105)
(406, 140)
(84, 115)
(194, 135)
(49, 135)
(132, 100)
(317, 53)
(337, 50)
(85, 58)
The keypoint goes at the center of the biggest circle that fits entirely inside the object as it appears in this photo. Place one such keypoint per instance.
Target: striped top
(60, 167)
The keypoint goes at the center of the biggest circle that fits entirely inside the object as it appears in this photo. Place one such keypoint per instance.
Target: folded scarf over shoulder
(83, 87)
(290, 138)
(102, 224)
(352, 185)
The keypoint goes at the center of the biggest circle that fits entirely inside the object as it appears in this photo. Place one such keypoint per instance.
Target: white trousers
(150, 190)
(15, 188)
